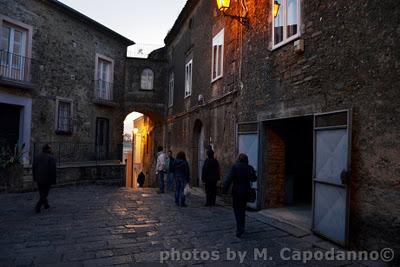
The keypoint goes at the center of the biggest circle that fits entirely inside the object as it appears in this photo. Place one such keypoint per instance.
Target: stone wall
(149, 102)
(349, 62)
(216, 112)
(79, 174)
(274, 168)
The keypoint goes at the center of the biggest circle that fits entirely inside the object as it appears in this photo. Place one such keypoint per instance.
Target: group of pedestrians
(241, 175)
(178, 173)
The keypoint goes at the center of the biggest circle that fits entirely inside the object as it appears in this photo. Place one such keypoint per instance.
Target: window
(171, 86)
(64, 115)
(217, 61)
(287, 22)
(188, 78)
(14, 52)
(104, 78)
(147, 79)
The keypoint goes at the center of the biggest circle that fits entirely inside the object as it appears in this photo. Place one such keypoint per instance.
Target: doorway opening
(10, 126)
(198, 152)
(289, 156)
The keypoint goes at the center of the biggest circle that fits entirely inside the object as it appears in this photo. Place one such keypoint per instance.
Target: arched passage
(142, 133)
(198, 156)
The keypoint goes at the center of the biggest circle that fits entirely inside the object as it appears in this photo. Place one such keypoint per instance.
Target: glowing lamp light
(276, 8)
(223, 5)
(135, 130)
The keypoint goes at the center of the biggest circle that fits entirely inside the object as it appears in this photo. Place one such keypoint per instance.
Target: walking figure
(160, 168)
(241, 175)
(210, 176)
(182, 177)
(140, 179)
(44, 174)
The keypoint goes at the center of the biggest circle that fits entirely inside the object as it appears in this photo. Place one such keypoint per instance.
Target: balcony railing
(16, 68)
(104, 91)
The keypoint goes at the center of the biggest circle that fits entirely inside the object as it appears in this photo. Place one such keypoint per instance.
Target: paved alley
(102, 226)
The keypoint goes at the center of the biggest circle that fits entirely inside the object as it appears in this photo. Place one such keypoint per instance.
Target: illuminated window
(286, 24)
(147, 79)
(188, 78)
(171, 86)
(217, 61)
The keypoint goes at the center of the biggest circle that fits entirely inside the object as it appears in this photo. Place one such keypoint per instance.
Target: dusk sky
(144, 22)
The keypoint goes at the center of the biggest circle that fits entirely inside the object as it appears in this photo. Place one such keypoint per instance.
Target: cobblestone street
(101, 226)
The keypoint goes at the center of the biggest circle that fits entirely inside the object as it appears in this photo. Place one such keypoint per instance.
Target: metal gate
(332, 145)
(248, 143)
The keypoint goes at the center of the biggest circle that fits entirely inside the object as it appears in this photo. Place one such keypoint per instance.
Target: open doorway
(198, 156)
(10, 126)
(289, 164)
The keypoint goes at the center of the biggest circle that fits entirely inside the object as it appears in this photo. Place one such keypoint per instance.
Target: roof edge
(70, 11)
(186, 10)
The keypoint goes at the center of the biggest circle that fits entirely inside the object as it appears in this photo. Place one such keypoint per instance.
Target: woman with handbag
(182, 177)
(241, 175)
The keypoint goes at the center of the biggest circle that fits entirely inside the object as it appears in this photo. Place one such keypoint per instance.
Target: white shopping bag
(186, 190)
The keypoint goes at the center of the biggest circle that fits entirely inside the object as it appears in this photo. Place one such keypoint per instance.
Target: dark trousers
(239, 208)
(160, 178)
(43, 192)
(211, 192)
(180, 184)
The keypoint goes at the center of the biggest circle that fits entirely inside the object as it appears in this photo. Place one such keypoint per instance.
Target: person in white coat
(160, 168)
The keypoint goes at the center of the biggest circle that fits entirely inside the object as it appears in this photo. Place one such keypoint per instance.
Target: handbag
(186, 190)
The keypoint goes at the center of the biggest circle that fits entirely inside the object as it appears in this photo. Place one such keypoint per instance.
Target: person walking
(170, 174)
(241, 174)
(44, 174)
(210, 176)
(160, 168)
(140, 179)
(182, 177)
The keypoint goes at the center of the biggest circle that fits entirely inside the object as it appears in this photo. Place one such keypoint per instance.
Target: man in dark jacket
(44, 174)
(241, 175)
(210, 176)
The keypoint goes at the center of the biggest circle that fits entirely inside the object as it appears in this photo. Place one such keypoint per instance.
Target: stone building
(308, 89)
(63, 78)
(310, 93)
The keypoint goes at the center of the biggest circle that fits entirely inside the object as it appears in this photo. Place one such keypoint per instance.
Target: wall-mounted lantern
(277, 5)
(224, 5)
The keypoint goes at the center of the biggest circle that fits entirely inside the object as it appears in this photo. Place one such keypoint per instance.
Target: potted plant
(11, 168)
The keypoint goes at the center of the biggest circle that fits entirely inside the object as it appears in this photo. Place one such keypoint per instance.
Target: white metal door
(248, 144)
(332, 137)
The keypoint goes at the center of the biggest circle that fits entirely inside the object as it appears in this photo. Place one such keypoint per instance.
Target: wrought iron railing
(75, 153)
(16, 67)
(104, 90)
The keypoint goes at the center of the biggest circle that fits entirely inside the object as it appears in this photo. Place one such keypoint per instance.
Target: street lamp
(224, 5)
(277, 5)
